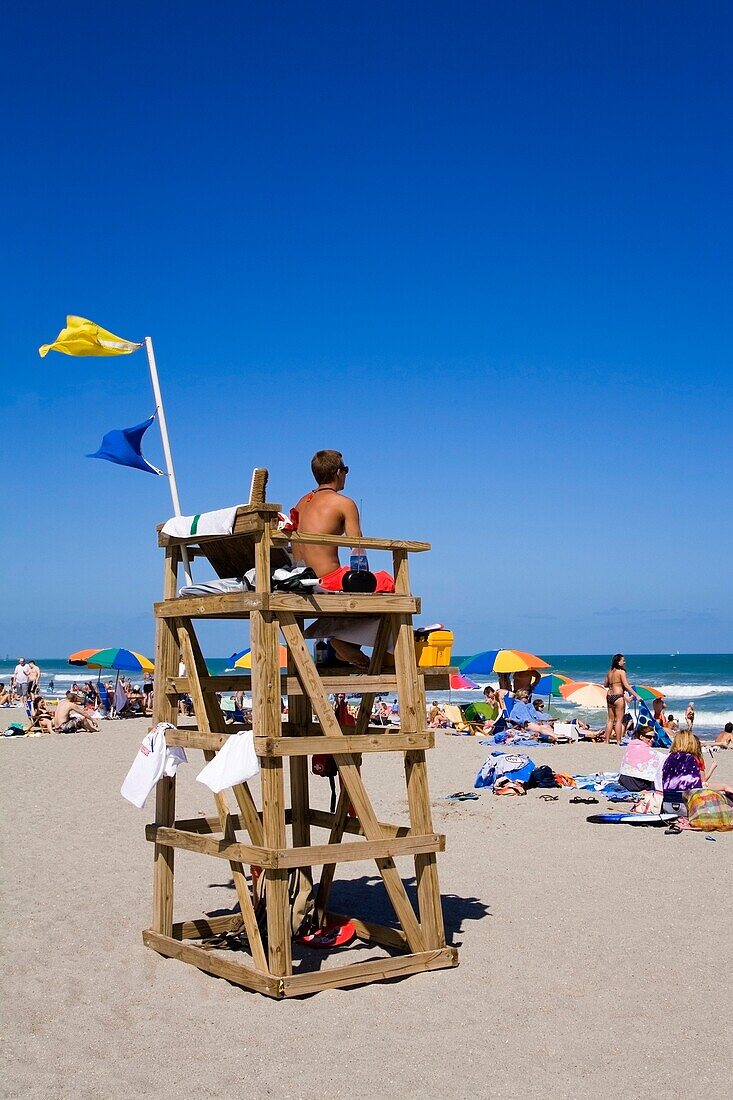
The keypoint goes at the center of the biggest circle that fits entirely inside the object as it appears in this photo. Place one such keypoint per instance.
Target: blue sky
(482, 250)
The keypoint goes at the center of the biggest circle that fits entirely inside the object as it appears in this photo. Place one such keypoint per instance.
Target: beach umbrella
(122, 660)
(243, 659)
(81, 656)
(647, 693)
(500, 660)
(550, 684)
(459, 682)
(592, 696)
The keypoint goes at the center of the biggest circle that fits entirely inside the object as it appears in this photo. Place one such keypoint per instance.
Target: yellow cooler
(435, 649)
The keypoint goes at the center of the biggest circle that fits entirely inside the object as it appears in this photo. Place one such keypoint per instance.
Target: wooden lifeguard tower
(277, 837)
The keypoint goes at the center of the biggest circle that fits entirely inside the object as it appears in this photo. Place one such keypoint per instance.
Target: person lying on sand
(70, 716)
(724, 740)
(531, 720)
(6, 699)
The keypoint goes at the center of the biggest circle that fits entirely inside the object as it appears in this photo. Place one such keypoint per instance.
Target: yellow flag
(82, 337)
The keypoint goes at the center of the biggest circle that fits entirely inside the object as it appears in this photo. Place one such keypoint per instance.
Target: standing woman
(617, 687)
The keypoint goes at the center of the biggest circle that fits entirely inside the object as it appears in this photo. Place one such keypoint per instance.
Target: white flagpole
(166, 448)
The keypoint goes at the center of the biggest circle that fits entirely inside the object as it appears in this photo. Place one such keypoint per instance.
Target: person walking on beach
(34, 679)
(20, 680)
(617, 688)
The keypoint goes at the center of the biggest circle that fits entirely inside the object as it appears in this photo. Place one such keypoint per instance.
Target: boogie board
(632, 819)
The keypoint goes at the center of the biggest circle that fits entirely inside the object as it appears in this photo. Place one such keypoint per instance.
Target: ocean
(706, 679)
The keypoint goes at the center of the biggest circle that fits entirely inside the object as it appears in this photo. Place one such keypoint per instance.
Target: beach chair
(455, 717)
(662, 740)
(475, 714)
(105, 703)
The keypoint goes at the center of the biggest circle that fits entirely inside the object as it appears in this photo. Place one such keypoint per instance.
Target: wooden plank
(223, 848)
(365, 542)
(190, 738)
(208, 714)
(241, 885)
(266, 719)
(322, 819)
(360, 850)
(350, 778)
(228, 605)
(369, 742)
(342, 603)
(412, 717)
(299, 723)
(204, 927)
(165, 709)
(376, 970)
(213, 964)
(332, 680)
(238, 605)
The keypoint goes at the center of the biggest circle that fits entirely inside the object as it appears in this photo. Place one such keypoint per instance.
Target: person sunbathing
(724, 740)
(6, 699)
(530, 720)
(42, 716)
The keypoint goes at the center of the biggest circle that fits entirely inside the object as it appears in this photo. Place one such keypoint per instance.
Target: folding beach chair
(105, 702)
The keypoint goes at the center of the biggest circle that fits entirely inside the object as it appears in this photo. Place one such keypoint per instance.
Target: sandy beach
(595, 960)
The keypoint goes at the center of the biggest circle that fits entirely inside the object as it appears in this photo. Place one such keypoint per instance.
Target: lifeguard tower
(276, 840)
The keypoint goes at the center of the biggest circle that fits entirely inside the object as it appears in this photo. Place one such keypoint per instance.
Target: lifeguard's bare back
(325, 511)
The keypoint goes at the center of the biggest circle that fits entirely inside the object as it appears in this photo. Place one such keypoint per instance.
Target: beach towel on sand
(154, 759)
(514, 765)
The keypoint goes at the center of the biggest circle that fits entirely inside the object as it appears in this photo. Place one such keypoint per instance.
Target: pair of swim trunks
(71, 726)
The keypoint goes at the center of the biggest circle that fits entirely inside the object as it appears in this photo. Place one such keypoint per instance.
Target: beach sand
(595, 961)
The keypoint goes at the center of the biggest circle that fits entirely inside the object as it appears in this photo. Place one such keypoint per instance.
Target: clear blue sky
(483, 249)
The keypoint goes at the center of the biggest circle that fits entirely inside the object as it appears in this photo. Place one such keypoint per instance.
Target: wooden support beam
(322, 819)
(204, 927)
(332, 680)
(412, 717)
(222, 848)
(239, 605)
(376, 970)
(265, 641)
(167, 655)
(350, 778)
(365, 542)
(213, 964)
(371, 742)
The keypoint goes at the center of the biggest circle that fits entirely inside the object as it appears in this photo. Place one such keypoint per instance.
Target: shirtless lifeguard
(325, 511)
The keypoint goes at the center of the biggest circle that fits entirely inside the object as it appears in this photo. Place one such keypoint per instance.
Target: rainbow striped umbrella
(459, 682)
(647, 693)
(243, 659)
(550, 684)
(81, 656)
(501, 660)
(122, 660)
(592, 696)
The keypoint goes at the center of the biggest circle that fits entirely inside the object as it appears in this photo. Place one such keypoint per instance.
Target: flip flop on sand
(549, 798)
(585, 801)
(461, 796)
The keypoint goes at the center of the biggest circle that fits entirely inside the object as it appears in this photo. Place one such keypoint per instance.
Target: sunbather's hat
(359, 580)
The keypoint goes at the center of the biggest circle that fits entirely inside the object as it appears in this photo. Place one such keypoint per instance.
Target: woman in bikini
(617, 687)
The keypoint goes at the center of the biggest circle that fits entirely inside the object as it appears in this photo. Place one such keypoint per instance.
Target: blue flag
(125, 448)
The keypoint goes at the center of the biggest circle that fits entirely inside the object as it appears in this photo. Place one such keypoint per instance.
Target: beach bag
(709, 810)
(543, 777)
